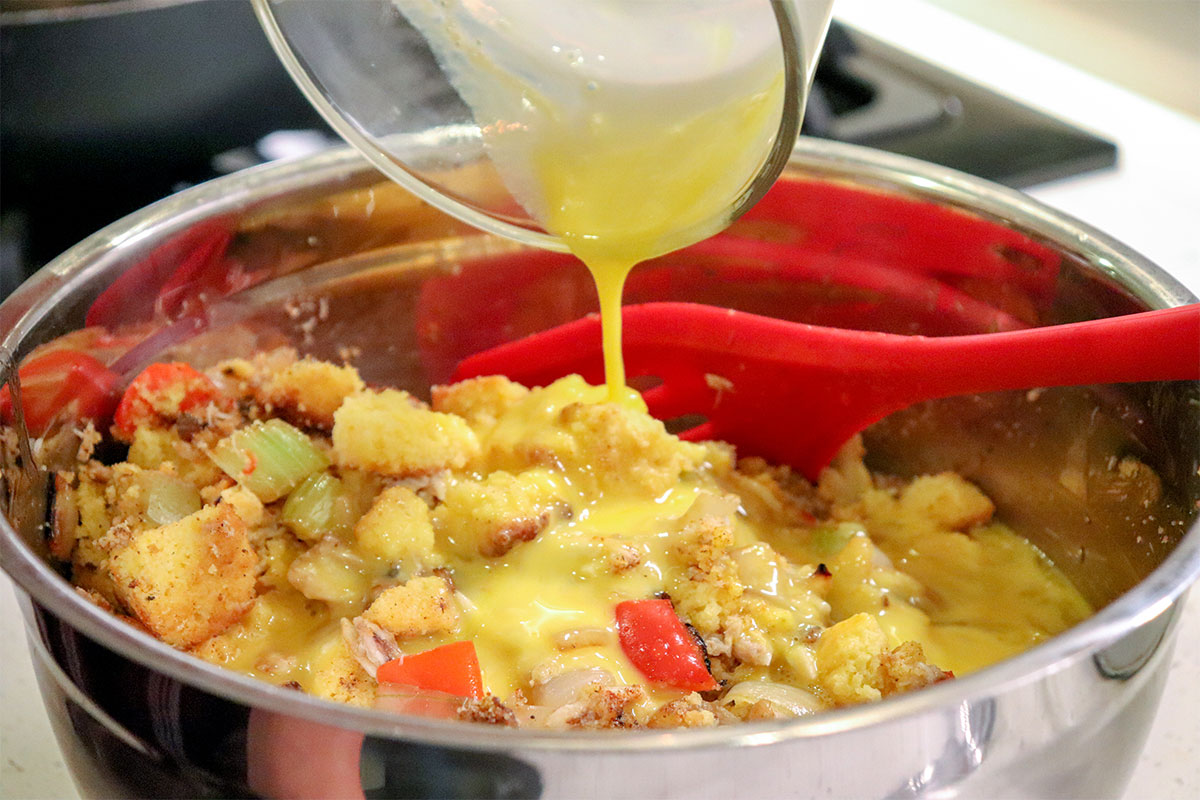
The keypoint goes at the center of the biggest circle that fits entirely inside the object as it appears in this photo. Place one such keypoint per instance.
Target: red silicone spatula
(794, 393)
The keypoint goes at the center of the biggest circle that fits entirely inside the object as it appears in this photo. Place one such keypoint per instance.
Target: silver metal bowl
(319, 254)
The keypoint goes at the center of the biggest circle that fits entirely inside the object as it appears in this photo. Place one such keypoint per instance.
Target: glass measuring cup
(399, 78)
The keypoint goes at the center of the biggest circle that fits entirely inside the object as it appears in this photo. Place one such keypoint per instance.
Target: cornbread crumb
(155, 447)
(397, 528)
(947, 499)
(601, 707)
(846, 478)
(904, 669)
(420, 607)
(848, 660)
(188, 580)
(488, 710)
(244, 503)
(480, 401)
(491, 516)
(623, 447)
(309, 391)
(856, 666)
(391, 433)
(338, 676)
(687, 712)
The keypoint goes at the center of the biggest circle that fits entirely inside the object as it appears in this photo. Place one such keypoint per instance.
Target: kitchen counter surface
(1151, 201)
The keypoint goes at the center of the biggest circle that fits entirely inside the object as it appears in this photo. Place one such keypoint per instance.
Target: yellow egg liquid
(622, 188)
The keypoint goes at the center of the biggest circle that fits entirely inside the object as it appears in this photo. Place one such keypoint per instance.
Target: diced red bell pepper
(452, 668)
(661, 646)
(62, 383)
(163, 390)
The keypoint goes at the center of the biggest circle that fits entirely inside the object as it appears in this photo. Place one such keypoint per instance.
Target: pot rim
(1145, 601)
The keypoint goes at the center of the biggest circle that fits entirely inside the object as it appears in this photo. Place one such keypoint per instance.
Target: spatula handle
(1151, 345)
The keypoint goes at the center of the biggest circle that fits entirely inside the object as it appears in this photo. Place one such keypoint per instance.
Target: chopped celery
(361, 490)
(269, 458)
(168, 499)
(828, 540)
(317, 507)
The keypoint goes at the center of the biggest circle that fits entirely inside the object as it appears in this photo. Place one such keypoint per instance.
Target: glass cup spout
(681, 109)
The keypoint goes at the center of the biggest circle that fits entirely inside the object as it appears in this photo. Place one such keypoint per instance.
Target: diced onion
(567, 686)
(583, 637)
(331, 571)
(168, 499)
(711, 504)
(788, 699)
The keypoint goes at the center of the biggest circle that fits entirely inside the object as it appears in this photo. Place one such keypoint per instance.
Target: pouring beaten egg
(627, 129)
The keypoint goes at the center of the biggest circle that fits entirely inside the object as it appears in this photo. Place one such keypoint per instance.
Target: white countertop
(1151, 202)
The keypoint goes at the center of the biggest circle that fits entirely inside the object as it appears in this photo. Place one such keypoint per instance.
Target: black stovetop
(869, 93)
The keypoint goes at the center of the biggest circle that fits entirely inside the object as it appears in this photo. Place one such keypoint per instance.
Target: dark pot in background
(111, 105)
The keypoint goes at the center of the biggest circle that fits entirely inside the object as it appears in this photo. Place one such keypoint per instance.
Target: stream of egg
(628, 130)
(622, 188)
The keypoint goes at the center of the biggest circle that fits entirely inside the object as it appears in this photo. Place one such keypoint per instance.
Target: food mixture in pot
(531, 557)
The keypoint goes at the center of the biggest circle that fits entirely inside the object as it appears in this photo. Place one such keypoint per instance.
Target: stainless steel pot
(315, 253)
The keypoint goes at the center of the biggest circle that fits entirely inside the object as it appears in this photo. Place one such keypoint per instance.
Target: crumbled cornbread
(347, 528)
(491, 516)
(389, 432)
(420, 607)
(309, 391)
(397, 528)
(337, 675)
(188, 580)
